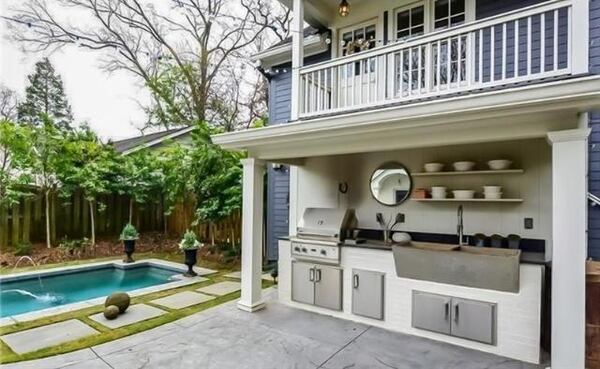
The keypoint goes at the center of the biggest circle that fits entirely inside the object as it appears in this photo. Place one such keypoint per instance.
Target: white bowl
(433, 167)
(463, 194)
(499, 164)
(492, 196)
(492, 189)
(463, 166)
(438, 189)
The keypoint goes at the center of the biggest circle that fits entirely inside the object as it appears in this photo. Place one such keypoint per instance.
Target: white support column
(252, 235)
(580, 15)
(297, 29)
(569, 246)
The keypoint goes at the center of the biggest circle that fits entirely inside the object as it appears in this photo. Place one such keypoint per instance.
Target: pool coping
(33, 315)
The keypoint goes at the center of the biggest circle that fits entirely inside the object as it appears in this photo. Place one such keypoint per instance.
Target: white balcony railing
(523, 45)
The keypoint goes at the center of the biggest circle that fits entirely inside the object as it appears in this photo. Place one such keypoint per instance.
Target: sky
(106, 101)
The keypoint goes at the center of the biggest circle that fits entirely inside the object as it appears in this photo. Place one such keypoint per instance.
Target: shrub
(129, 233)
(23, 248)
(73, 245)
(189, 241)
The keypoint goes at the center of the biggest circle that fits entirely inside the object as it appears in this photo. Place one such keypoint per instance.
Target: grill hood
(326, 223)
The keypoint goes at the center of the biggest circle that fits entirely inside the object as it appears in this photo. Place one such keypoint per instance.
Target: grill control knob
(323, 252)
(296, 248)
(304, 249)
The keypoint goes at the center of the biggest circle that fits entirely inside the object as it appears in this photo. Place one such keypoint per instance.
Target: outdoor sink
(479, 267)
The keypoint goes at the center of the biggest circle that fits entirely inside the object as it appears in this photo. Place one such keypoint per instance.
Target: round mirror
(391, 184)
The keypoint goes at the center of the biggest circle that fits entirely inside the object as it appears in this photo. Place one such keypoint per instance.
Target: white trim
(576, 93)
(353, 27)
(159, 140)
(570, 135)
(297, 29)
(579, 42)
(394, 23)
(313, 45)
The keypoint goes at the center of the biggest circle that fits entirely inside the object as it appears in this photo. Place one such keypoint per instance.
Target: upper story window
(358, 38)
(410, 21)
(448, 13)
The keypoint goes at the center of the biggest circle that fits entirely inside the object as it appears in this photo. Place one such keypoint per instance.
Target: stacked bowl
(438, 192)
(492, 192)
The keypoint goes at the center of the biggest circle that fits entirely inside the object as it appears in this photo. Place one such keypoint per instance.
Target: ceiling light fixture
(344, 8)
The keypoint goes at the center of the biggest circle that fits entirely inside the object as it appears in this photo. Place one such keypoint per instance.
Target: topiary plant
(120, 299)
(189, 241)
(129, 233)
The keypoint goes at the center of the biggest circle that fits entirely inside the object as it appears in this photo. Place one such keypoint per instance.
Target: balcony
(526, 45)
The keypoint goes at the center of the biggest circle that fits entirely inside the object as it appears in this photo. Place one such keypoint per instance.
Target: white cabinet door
(328, 287)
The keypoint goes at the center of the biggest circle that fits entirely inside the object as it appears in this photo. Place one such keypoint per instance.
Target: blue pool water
(22, 296)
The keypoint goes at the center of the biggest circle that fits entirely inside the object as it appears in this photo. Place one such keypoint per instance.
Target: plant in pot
(190, 245)
(129, 235)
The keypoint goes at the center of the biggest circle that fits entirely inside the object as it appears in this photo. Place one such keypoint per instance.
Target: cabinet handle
(318, 275)
(355, 281)
(311, 275)
(456, 313)
(447, 310)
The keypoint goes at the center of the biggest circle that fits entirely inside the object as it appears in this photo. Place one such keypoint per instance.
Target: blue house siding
(278, 181)
(594, 150)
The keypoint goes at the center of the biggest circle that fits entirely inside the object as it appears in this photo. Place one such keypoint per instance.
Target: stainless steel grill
(320, 232)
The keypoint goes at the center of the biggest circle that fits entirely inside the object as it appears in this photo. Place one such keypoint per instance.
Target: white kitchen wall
(318, 183)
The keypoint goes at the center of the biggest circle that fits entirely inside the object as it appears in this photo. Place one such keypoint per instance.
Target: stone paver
(204, 271)
(238, 275)
(221, 288)
(182, 300)
(135, 313)
(46, 336)
(278, 337)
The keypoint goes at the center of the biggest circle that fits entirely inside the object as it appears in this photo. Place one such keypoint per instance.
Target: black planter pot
(191, 257)
(129, 248)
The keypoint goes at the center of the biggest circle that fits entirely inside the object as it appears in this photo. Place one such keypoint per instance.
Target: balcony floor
(277, 337)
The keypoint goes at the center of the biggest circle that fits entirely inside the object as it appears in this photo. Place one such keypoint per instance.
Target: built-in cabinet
(317, 284)
(468, 319)
(368, 293)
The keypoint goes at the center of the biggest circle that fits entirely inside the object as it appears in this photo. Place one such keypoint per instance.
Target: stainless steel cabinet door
(473, 320)
(431, 312)
(328, 287)
(367, 293)
(303, 285)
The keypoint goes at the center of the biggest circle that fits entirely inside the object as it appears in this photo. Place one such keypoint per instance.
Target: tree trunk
(212, 233)
(47, 196)
(93, 228)
(165, 224)
(130, 210)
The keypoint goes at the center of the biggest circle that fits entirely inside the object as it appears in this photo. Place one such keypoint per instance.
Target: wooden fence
(70, 218)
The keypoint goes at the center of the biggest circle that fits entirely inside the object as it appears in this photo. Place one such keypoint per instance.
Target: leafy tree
(176, 165)
(217, 183)
(45, 96)
(89, 166)
(9, 102)
(13, 154)
(44, 155)
(139, 177)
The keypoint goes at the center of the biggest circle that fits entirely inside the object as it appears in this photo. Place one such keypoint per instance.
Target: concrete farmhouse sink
(479, 267)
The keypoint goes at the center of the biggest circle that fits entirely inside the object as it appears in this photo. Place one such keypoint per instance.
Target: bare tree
(8, 103)
(178, 48)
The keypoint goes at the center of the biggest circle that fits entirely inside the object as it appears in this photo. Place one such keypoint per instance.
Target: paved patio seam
(343, 347)
(101, 358)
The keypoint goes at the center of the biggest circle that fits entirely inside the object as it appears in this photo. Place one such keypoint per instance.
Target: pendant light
(344, 8)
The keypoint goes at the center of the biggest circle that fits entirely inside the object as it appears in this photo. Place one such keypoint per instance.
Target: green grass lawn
(107, 334)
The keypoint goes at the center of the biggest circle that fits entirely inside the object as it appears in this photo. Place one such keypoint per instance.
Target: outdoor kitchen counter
(526, 257)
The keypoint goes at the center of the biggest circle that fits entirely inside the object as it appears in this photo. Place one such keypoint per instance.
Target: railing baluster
(529, 36)
(555, 42)
(504, 56)
(449, 63)
(516, 66)
(401, 72)
(569, 35)
(542, 43)
(438, 58)
(319, 90)
(419, 73)
(469, 64)
(492, 56)
(459, 60)
(481, 56)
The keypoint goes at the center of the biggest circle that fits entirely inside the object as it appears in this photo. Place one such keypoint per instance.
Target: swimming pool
(38, 291)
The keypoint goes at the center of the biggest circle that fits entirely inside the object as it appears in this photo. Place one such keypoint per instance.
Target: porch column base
(242, 305)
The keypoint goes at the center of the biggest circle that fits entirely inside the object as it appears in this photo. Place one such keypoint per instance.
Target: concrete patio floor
(277, 337)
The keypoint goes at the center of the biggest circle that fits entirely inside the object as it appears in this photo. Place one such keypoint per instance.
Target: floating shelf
(466, 173)
(468, 200)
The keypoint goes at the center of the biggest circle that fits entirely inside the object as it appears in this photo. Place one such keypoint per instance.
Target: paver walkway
(135, 313)
(48, 335)
(182, 300)
(221, 288)
(276, 337)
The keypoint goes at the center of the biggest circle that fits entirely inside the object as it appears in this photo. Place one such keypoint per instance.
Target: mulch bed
(148, 242)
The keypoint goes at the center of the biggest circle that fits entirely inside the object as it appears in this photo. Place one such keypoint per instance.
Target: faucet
(460, 228)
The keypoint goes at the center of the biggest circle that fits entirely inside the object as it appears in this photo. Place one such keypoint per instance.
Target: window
(357, 39)
(410, 22)
(448, 13)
